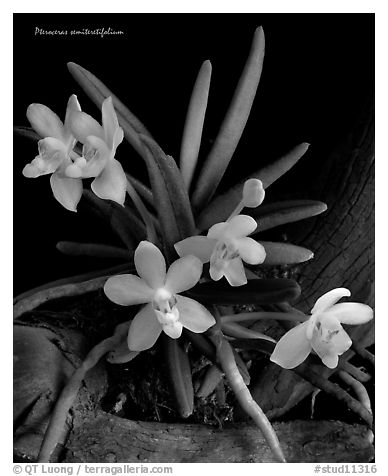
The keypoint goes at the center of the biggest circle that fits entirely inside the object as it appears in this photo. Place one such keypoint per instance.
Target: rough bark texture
(129, 441)
(343, 237)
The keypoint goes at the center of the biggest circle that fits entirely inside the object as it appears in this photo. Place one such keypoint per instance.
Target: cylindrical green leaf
(192, 133)
(73, 248)
(233, 329)
(122, 220)
(233, 124)
(27, 132)
(211, 379)
(179, 370)
(289, 211)
(256, 291)
(223, 205)
(142, 190)
(285, 253)
(174, 209)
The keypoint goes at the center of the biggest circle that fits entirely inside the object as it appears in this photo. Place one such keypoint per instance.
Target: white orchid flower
(99, 149)
(55, 152)
(226, 246)
(165, 309)
(323, 332)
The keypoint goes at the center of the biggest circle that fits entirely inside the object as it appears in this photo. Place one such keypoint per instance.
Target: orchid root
(68, 395)
(228, 363)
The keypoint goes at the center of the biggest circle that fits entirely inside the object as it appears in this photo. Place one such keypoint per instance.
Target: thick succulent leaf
(211, 379)
(174, 209)
(255, 316)
(260, 345)
(192, 133)
(98, 250)
(141, 189)
(288, 211)
(233, 329)
(122, 220)
(98, 92)
(223, 205)
(285, 253)
(256, 291)
(202, 343)
(179, 370)
(27, 132)
(233, 124)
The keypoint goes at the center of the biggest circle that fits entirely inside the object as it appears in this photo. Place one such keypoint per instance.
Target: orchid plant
(176, 224)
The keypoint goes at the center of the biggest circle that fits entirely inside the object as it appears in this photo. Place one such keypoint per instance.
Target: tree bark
(91, 435)
(343, 243)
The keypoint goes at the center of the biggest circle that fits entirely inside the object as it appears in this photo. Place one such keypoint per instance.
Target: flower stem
(144, 213)
(228, 364)
(68, 395)
(236, 211)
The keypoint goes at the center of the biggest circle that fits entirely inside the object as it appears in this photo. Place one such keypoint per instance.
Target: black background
(318, 73)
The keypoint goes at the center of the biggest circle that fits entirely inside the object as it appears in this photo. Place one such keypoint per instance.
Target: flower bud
(253, 193)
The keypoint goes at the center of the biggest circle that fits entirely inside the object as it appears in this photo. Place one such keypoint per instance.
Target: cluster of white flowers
(67, 168)
(226, 246)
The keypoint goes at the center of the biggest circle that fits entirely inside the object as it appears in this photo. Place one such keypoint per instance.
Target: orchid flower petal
(217, 231)
(173, 330)
(329, 299)
(234, 272)
(250, 250)
(183, 274)
(128, 290)
(194, 317)
(293, 348)
(45, 122)
(241, 225)
(72, 106)
(144, 330)
(67, 191)
(109, 121)
(150, 264)
(330, 360)
(199, 246)
(311, 326)
(118, 138)
(49, 145)
(111, 184)
(32, 170)
(352, 312)
(82, 126)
